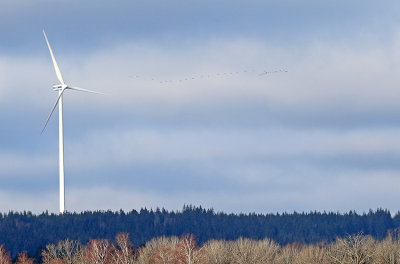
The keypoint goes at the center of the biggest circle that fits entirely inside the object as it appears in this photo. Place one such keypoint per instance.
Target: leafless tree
(186, 250)
(160, 250)
(50, 255)
(268, 249)
(97, 251)
(245, 251)
(4, 255)
(312, 254)
(288, 254)
(24, 259)
(388, 250)
(123, 253)
(214, 252)
(69, 251)
(66, 251)
(354, 249)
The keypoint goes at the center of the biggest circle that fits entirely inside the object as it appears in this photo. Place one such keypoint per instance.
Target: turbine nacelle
(61, 87)
(57, 87)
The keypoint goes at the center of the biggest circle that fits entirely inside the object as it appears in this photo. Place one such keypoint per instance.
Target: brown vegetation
(4, 256)
(354, 249)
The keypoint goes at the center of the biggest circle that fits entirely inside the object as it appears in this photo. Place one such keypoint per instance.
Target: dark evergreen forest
(29, 232)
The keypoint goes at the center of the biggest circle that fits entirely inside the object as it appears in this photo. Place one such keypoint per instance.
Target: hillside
(28, 232)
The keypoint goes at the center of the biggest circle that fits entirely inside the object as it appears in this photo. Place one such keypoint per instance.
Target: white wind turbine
(60, 88)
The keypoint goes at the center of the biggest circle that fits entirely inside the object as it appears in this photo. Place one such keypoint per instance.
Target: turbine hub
(59, 87)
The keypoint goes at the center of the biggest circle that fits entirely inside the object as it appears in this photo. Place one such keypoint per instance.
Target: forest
(357, 249)
(35, 234)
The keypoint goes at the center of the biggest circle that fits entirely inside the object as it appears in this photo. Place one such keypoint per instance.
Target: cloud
(189, 145)
(12, 164)
(331, 117)
(363, 80)
(37, 202)
(327, 85)
(358, 191)
(246, 163)
(189, 119)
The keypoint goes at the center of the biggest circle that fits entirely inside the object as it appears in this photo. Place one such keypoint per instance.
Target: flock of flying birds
(62, 86)
(206, 76)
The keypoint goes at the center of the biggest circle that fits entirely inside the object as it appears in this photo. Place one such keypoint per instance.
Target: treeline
(354, 249)
(31, 233)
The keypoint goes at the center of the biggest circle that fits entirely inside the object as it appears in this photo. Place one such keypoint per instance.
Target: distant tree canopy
(28, 232)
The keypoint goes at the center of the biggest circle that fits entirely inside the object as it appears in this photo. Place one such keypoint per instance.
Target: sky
(189, 118)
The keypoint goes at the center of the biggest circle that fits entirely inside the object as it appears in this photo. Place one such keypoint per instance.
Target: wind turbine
(60, 88)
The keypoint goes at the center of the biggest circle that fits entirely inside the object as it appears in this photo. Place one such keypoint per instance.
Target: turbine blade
(83, 90)
(52, 110)
(58, 72)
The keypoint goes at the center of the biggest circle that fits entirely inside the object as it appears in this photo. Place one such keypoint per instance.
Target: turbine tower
(60, 88)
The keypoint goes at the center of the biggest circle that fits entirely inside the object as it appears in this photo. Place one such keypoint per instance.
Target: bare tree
(160, 250)
(123, 253)
(24, 259)
(214, 252)
(288, 254)
(67, 251)
(50, 255)
(97, 251)
(354, 249)
(4, 255)
(312, 254)
(70, 251)
(267, 250)
(186, 250)
(245, 251)
(388, 250)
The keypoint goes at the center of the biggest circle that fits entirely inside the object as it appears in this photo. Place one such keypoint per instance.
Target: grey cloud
(322, 136)
(99, 23)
